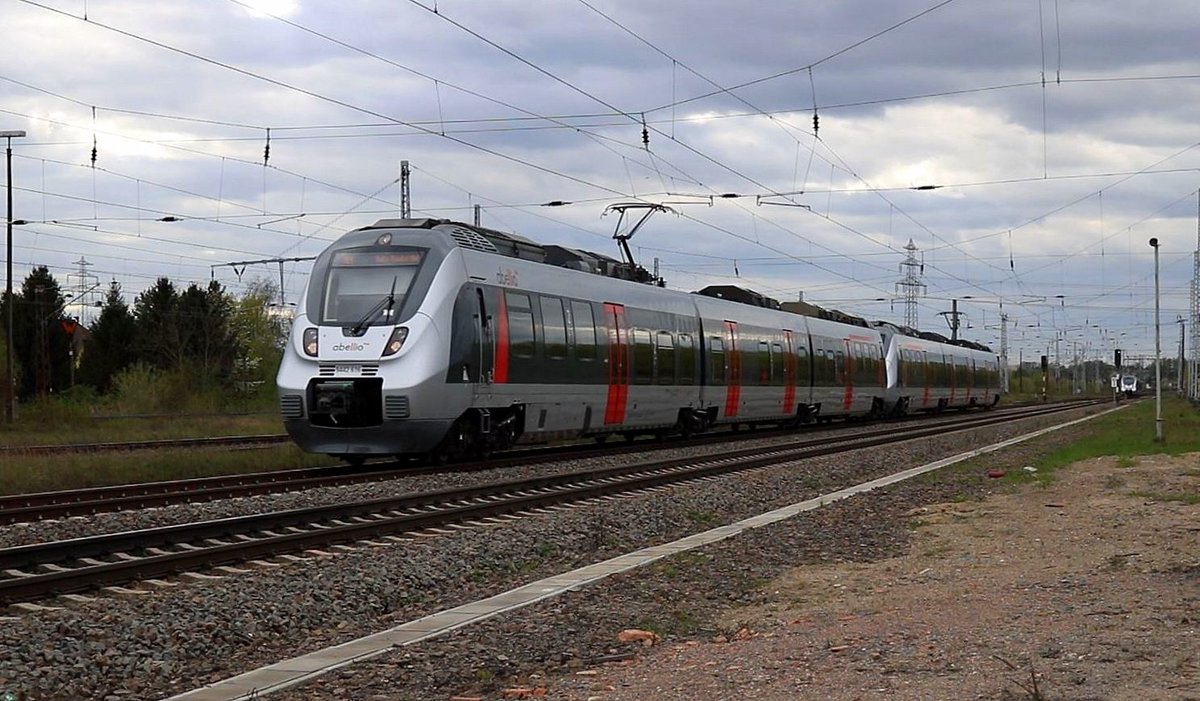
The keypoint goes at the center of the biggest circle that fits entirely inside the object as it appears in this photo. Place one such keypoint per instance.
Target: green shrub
(54, 411)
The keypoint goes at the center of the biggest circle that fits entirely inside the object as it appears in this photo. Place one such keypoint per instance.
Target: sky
(1029, 149)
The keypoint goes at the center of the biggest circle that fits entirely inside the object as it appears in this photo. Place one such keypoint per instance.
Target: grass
(41, 429)
(26, 474)
(1189, 498)
(1125, 434)
(703, 518)
(62, 421)
(681, 563)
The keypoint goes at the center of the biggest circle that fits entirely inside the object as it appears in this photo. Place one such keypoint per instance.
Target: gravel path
(173, 639)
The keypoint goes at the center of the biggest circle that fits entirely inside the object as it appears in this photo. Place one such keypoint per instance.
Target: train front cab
(367, 349)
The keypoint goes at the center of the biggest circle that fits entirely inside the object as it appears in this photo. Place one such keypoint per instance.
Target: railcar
(1129, 385)
(440, 338)
(929, 373)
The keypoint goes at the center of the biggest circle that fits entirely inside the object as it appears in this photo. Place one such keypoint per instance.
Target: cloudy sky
(1028, 148)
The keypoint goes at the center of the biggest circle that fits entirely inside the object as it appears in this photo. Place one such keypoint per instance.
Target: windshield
(360, 278)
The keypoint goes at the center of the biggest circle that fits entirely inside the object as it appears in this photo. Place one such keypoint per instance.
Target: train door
(973, 370)
(484, 340)
(848, 376)
(928, 373)
(789, 374)
(618, 364)
(733, 374)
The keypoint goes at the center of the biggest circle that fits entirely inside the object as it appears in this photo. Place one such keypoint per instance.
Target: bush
(141, 389)
(55, 411)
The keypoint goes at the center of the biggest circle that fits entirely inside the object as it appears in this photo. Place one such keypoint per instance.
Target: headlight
(310, 342)
(396, 342)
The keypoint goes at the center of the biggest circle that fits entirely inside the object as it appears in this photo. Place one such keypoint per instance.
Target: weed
(1030, 688)
(704, 519)
(1189, 498)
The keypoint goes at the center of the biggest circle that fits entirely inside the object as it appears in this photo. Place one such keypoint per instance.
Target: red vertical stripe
(501, 370)
(618, 365)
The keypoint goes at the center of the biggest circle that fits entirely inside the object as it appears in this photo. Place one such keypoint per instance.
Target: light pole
(8, 325)
(1158, 420)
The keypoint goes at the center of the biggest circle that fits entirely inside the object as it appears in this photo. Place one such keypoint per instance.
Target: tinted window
(716, 346)
(777, 364)
(764, 364)
(665, 354)
(685, 354)
(643, 357)
(802, 369)
(585, 330)
(554, 327)
(520, 325)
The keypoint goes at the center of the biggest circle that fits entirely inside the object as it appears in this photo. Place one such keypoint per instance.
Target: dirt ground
(1087, 589)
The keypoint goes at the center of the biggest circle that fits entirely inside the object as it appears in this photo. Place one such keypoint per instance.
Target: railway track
(38, 506)
(226, 442)
(40, 571)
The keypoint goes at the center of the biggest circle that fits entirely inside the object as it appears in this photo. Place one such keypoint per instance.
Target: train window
(763, 358)
(360, 279)
(777, 359)
(554, 327)
(716, 348)
(520, 325)
(819, 370)
(664, 354)
(643, 358)
(585, 330)
(839, 367)
(685, 355)
(864, 366)
(802, 366)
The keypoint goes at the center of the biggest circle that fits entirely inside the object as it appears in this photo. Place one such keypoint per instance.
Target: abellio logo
(349, 347)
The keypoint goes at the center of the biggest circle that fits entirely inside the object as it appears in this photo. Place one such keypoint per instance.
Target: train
(1129, 385)
(431, 337)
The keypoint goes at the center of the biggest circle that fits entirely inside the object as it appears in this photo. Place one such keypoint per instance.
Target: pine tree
(109, 351)
(159, 337)
(40, 343)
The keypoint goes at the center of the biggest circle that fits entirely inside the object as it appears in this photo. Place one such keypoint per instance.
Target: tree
(207, 335)
(109, 351)
(41, 345)
(261, 334)
(159, 338)
(5, 381)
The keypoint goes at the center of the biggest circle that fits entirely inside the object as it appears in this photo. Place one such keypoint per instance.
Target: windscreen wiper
(385, 305)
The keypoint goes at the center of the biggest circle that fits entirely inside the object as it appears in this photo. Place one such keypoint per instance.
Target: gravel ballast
(172, 639)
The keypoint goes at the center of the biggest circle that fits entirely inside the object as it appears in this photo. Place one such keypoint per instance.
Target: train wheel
(601, 439)
(352, 460)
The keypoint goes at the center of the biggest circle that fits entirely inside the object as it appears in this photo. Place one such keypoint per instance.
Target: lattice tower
(911, 286)
(84, 292)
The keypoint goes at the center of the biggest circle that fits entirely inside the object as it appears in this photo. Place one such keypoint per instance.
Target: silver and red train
(433, 337)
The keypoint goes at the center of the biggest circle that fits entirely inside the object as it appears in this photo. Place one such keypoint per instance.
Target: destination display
(361, 259)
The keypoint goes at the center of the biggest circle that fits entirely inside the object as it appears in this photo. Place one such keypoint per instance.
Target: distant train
(1129, 385)
(433, 337)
